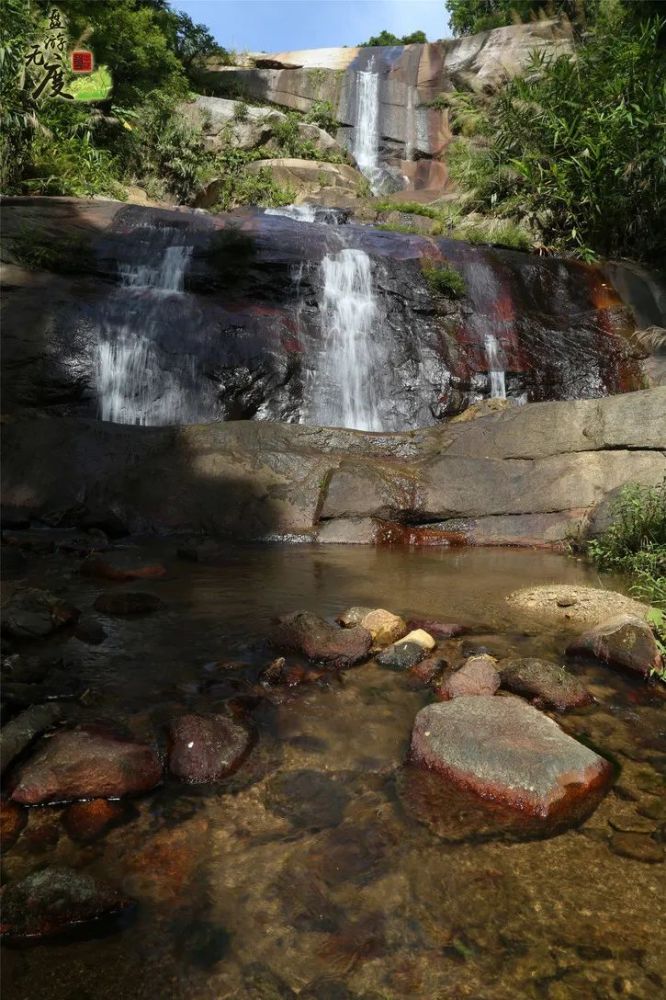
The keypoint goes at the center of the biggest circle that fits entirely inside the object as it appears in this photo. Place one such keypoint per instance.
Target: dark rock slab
(546, 683)
(84, 763)
(401, 656)
(318, 640)
(127, 603)
(505, 750)
(206, 748)
(477, 676)
(34, 613)
(122, 566)
(624, 641)
(55, 898)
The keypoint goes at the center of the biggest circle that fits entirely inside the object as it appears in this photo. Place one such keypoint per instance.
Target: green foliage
(657, 622)
(241, 112)
(467, 112)
(449, 220)
(574, 148)
(469, 16)
(287, 135)
(388, 38)
(66, 256)
(635, 542)
(444, 280)
(322, 113)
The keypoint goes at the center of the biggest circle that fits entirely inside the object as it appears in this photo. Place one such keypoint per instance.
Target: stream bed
(302, 874)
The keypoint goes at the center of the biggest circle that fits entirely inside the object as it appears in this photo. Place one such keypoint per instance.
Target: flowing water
(132, 386)
(303, 873)
(349, 367)
(495, 372)
(365, 144)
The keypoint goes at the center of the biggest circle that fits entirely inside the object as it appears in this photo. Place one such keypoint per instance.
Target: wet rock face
(625, 641)
(318, 640)
(85, 763)
(34, 613)
(477, 676)
(548, 684)
(206, 748)
(504, 750)
(51, 900)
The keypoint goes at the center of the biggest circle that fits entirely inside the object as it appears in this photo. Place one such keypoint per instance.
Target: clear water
(495, 373)
(349, 369)
(365, 143)
(246, 891)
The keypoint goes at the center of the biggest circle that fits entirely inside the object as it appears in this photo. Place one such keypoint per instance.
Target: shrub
(444, 280)
(322, 113)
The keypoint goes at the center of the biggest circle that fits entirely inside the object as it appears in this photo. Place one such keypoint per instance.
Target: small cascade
(132, 387)
(346, 390)
(311, 213)
(365, 145)
(495, 372)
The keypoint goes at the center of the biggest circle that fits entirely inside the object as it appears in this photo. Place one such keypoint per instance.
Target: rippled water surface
(302, 874)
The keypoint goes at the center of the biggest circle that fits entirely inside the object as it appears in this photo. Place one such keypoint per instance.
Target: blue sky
(279, 25)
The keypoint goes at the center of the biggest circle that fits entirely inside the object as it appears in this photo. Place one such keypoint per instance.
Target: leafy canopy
(388, 38)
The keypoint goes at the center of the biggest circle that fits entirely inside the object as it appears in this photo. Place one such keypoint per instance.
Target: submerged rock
(86, 821)
(546, 683)
(12, 820)
(317, 639)
(127, 603)
(477, 676)
(55, 898)
(505, 750)
(383, 626)
(122, 566)
(206, 747)
(85, 763)
(401, 656)
(624, 641)
(34, 613)
(427, 671)
(308, 799)
(441, 630)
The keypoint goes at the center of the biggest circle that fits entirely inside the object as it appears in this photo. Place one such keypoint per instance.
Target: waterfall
(495, 371)
(132, 386)
(350, 365)
(365, 145)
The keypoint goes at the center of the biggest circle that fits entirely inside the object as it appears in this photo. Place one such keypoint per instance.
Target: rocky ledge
(526, 475)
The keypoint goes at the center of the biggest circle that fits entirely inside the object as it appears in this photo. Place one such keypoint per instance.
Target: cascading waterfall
(365, 145)
(495, 371)
(349, 364)
(132, 387)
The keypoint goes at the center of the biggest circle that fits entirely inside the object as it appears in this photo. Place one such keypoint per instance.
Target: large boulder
(547, 684)
(206, 748)
(310, 178)
(624, 641)
(505, 750)
(319, 640)
(86, 763)
(55, 898)
(33, 613)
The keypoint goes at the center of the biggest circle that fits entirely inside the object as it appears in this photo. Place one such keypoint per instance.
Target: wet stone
(319, 640)
(626, 819)
(262, 983)
(12, 820)
(84, 763)
(205, 748)
(34, 613)
(427, 671)
(122, 566)
(123, 603)
(308, 799)
(547, 683)
(401, 656)
(55, 898)
(477, 676)
(638, 847)
(86, 821)
(624, 641)
(441, 630)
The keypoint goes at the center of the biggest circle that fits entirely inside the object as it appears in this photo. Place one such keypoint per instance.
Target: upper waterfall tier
(168, 316)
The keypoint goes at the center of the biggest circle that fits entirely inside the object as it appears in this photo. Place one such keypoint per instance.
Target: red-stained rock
(55, 898)
(545, 683)
(127, 603)
(86, 763)
(477, 676)
(505, 750)
(33, 613)
(317, 639)
(206, 747)
(12, 820)
(121, 566)
(425, 672)
(623, 641)
(85, 821)
(441, 630)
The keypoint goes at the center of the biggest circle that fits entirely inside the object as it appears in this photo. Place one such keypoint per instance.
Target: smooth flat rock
(477, 676)
(624, 641)
(507, 751)
(206, 748)
(549, 684)
(563, 603)
(319, 640)
(55, 898)
(86, 763)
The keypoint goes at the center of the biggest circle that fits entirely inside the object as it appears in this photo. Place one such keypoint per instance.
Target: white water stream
(495, 370)
(365, 144)
(132, 387)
